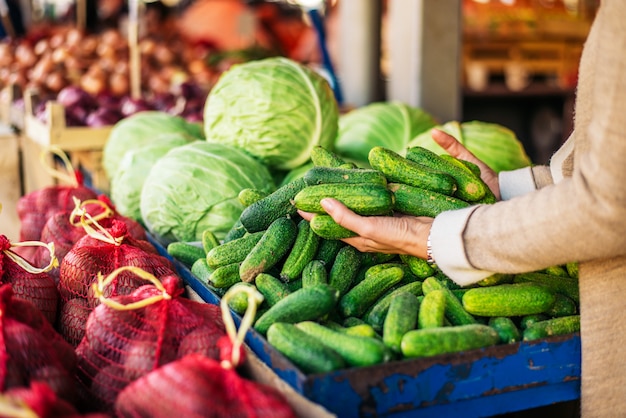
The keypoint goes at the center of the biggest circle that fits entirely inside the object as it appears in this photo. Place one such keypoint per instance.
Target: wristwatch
(429, 251)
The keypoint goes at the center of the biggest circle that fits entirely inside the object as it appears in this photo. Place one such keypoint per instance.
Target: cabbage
(387, 124)
(496, 145)
(133, 169)
(276, 109)
(194, 187)
(139, 130)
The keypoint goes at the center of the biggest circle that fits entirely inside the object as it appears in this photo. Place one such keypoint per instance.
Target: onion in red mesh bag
(38, 401)
(103, 250)
(30, 283)
(31, 350)
(64, 228)
(36, 207)
(197, 386)
(129, 336)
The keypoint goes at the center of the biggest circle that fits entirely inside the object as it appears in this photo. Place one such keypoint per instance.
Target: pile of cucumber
(328, 306)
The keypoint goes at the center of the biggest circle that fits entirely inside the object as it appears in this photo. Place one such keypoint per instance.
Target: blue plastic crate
(476, 383)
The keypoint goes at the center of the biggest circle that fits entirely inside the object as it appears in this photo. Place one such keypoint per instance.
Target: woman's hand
(384, 234)
(457, 150)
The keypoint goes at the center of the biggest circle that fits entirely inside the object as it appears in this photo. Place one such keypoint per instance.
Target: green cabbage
(276, 109)
(387, 124)
(139, 130)
(194, 187)
(133, 169)
(496, 145)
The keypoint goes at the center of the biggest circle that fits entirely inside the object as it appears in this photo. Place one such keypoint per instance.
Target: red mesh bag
(197, 386)
(129, 336)
(34, 208)
(101, 252)
(39, 401)
(33, 284)
(31, 350)
(64, 228)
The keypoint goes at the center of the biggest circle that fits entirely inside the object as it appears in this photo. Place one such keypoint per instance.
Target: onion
(55, 81)
(93, 82)
(103, 117)
(131, 106)
(74, 96)
(119, 84)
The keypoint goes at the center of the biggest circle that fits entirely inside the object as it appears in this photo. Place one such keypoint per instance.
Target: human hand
(457, 150)
(399, 234)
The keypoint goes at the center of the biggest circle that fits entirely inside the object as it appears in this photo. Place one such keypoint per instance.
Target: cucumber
(307, 352)
(303, 250)
(275, 243)
(225, 276)
(344, 269)
(249, 196)
(435, 341)
(572, 269)
(470, 165)
(417, 201)
(362, 198)
(185, 253)
(418, 266)
(489, 197)
(323, 157)
(324, 175)
(557, 284)
(235, 232)
(314, 273)
(375, 315)
(398, 169)
(432, 310)
(309, 303)
(401, 318)
(262, 213)
(325, 227)
(357, 351)
(506, 329)
(527, 320)
(496, 279)
(556, 271)
(234, 251)
(357, 300)
(209, 241)
(327, 251)
(550, 327)
(469, 187)
(294, 285)
(362, 330)
(352, 321)
(371, 259)
(563, 306)
(271, 288)
(377, 268)
(239, 301)
(455, 312)
(201, 270)
(517, 299)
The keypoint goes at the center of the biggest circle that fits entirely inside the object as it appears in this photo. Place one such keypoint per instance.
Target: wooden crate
(10, 183)
(10, 113)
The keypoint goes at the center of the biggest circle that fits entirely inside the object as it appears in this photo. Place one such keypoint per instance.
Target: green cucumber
(469, 187)
(275, 243)
(303, 251)
(271, 288)
(235, 232)
(307, 352)
(556, 271)
(418, 266)
(325, 227)
(455, 312)
(314, 273)
(401, 318)
(262, 213)
(344, 269)
(234, 251)
(435, 341)
(398, 169)
(527, 320)
(357, 351)
(309, 303)
(362, 198)
(201, 270)
(417, 201)
(239, 301)
(375, 315)
(557, 284)
(362, 330)
(225, 276)
(185, 253)
(551, 327)
(209, 241)
(517, 299)
(323, 157)
(328, 249)
(357, 300)
(371, 259)
(432, 310)
(572, 269)
(324, 175)
(294, 285)
(249, 196)
(496, 279)
(506, 329)
(489, 197)
(563, 306)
